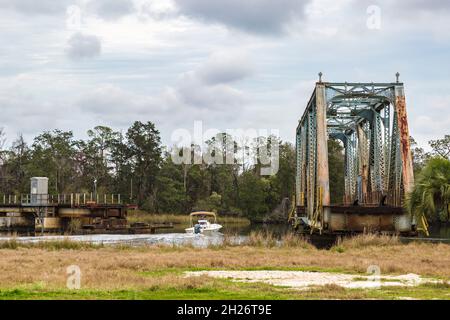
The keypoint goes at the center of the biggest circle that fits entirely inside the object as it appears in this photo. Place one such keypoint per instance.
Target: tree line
(136, 165)
(431, 194)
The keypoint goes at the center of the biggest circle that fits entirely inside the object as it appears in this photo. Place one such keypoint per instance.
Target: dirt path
(303, 279)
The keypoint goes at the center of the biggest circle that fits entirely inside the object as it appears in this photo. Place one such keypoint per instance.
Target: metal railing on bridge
(71, 199)
(375, 198)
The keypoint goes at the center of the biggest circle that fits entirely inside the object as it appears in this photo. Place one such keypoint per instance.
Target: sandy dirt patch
(305, 279)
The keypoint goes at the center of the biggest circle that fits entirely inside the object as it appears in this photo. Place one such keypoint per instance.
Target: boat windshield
(202, 217)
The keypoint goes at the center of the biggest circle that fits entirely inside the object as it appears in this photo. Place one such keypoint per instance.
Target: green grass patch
(233, 291)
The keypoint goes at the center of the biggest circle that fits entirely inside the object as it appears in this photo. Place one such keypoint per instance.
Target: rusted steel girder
(363, 160)
(323, 178)
(378, 162)
(405, 147)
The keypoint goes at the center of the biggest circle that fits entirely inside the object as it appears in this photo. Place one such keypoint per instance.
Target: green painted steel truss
(369, 119)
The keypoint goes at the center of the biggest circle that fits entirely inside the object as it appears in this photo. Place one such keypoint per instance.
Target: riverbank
(180, 219)
(38, 271)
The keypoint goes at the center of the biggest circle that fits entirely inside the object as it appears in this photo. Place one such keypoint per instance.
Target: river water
(441, 231)
(239, 230)
(177, 236)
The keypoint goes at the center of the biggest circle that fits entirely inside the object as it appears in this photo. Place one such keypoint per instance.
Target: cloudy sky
(74, 64)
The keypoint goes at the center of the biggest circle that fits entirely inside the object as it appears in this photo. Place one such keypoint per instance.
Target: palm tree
(430, 198)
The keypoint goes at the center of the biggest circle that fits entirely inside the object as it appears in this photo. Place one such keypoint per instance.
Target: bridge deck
(363, 210)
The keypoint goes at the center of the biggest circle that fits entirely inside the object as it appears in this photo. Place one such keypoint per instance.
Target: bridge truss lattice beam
(371, 122)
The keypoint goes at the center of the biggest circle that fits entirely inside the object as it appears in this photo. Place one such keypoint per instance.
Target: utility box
(47, 223)
(39, 191)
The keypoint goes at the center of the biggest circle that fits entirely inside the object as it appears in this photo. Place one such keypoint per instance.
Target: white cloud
(111, 9)
(208, 86)
(110, 99)
(28, 114)
(81, 46)
(193, 92)
(33, 7)
(193, 97)
(225, 67)
(204, 88)
(176, 61)
(259, 16)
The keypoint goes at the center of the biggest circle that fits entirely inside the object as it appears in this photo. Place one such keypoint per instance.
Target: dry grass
(112, 268)
(49, 245)
(366, 240)
(267, 239)
(141, 216)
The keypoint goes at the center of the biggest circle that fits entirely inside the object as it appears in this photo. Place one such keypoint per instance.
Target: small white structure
(39, 191)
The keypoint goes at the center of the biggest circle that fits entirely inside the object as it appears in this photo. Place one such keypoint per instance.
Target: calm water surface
(441, 231)
(177, 236)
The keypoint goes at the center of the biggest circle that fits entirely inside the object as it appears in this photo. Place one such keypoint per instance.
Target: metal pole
(131, 190)
(95, 189)
(42, 220)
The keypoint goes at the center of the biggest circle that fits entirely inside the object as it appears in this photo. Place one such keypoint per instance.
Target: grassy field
(38, 271)
(182, 219)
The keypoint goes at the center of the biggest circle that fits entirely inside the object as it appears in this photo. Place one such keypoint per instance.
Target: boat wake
(197, 240)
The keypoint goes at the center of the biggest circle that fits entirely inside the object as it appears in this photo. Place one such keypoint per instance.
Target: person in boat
(197, 228)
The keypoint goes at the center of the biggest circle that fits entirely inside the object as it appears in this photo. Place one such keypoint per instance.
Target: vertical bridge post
(405, 147)
(323, 179)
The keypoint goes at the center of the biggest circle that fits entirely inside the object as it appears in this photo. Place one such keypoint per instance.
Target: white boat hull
(211, 228)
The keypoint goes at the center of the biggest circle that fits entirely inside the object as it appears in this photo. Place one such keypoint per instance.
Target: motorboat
(200, 222)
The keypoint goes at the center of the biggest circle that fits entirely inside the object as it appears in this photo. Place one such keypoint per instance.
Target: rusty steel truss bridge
(370, 121)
